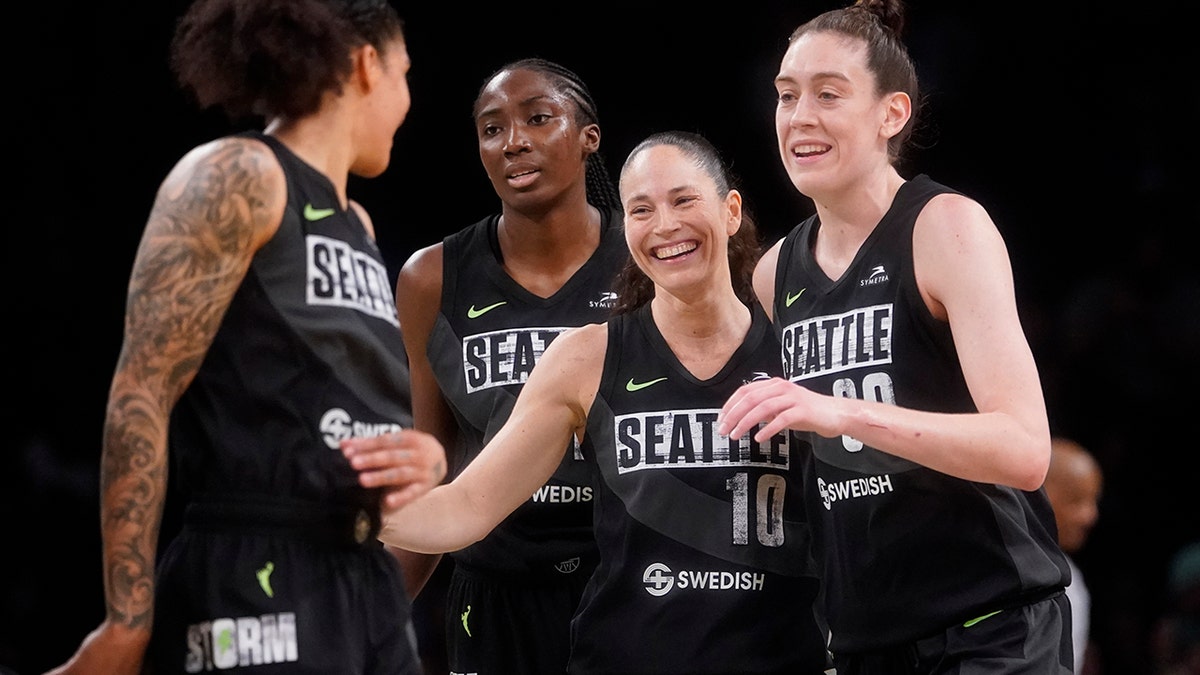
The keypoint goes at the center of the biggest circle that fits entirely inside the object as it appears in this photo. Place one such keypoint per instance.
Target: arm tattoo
(196, 248)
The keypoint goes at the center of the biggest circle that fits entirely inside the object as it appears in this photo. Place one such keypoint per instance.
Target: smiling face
(529, 142)
(832, 126)
(677, 224)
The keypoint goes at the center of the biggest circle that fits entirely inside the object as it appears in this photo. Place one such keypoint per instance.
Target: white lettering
(854, 488)
(504, 357)
(563, 494)
(688, 438)
(830, 344)
(224, 643)
(341, 276)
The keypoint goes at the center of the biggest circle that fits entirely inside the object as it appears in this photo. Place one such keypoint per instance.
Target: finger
(773, 426)
(735, 423)
(752, 413)
(382, 459)
(390, 476)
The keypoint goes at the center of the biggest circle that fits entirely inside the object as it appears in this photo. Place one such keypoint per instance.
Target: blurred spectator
(1073, 485)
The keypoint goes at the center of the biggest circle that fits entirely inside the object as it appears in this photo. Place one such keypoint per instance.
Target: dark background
(1070, 122)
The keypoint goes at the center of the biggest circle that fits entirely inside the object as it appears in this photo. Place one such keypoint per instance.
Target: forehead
(824, 54)
(662, 168)
(519, 87)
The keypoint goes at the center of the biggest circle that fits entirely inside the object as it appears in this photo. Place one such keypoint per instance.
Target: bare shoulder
(421, 273)
(959, 257)
(591, 338)
(577, 353)
(215, 209)
(958, 225)
(572, 366)
(953, 215)
(231, 186)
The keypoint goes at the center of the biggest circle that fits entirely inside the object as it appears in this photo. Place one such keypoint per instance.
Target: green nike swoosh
(312, 213)
(638, 386)
(977, 619)
(473, 313)
(792, 298)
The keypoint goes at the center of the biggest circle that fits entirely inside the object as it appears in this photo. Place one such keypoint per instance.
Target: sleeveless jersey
(704, 549)
(308, 353)
(487, 337)
(907, 550)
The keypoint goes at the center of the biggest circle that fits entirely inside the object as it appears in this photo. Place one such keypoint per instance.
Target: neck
(860, 205)
(542, 253)
(318, 140)
(702, 334)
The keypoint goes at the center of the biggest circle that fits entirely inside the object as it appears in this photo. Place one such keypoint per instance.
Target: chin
(370, 167)
(811, 181)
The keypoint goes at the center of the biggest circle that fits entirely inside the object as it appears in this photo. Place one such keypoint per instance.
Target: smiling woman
(925, 412)
(713, 526)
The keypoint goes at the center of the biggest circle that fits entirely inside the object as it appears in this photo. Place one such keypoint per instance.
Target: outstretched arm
(218, 205)
(551, 408)
(964, 274)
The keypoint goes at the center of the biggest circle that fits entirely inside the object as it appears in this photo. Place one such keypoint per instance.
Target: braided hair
(601, 191)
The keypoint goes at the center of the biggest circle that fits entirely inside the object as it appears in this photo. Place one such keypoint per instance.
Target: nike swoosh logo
(638, 386)
(792, 298)
(473, 313)
(312, 213)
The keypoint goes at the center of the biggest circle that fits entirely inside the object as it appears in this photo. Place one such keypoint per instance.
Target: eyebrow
(642, 196)
(522, 103)
(824, 75)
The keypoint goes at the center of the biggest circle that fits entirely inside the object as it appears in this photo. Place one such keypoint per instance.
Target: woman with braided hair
(477, 310)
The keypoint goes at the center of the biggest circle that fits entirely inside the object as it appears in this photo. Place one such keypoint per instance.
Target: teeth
(808, 149)
(672, 251)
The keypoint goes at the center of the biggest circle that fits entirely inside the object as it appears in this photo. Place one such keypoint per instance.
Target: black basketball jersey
(907, 550)
(704, 549)
(308, 353)
(486, 339)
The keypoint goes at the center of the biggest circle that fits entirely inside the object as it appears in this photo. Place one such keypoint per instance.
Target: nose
(664, 221)
(802, 113)
(516, 141)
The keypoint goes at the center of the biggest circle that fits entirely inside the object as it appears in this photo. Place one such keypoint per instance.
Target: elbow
(1030, 481)
(1031, 473)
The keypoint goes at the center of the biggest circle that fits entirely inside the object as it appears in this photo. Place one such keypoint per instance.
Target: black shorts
(293, 590)
(505, 625)
(1033, 639)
